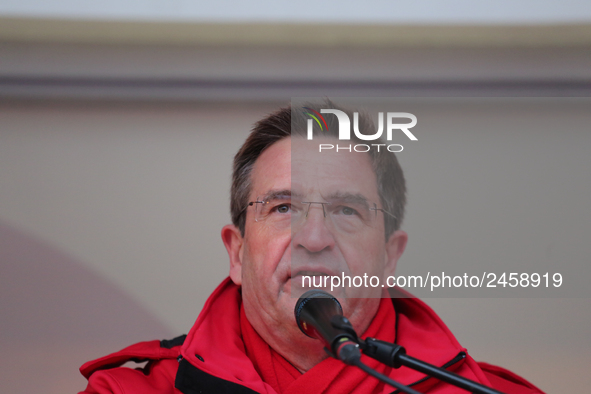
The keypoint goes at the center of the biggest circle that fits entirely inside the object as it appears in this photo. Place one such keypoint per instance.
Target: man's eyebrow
(357, 198)
(274, 194)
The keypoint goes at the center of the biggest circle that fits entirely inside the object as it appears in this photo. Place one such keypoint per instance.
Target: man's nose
(313, 233)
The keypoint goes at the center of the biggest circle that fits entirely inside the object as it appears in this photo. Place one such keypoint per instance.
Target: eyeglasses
(347, 214)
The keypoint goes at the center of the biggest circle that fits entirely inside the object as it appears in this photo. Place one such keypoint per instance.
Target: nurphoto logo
(392, 125)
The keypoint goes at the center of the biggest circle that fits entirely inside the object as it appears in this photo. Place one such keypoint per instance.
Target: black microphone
(320, 316)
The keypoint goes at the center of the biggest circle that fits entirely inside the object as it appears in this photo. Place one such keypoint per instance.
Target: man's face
(272, 258)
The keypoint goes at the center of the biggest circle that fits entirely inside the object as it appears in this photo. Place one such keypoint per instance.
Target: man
(299, 213)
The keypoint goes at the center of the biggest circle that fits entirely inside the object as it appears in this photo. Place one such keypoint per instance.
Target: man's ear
(234, 243)
(394, 248)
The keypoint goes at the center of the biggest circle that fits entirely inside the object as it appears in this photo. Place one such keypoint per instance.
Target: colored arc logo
(315, 115)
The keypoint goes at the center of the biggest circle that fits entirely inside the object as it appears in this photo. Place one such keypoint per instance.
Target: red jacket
(212, 359)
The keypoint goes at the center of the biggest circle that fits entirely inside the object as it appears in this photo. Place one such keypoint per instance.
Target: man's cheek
(278, 246)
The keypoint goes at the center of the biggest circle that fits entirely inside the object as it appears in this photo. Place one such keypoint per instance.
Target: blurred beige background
(116, 141)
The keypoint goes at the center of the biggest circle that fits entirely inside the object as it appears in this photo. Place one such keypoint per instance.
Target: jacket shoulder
(507, 381)
(107, 375)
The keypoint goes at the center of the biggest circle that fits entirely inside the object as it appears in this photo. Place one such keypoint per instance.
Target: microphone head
(314, 307)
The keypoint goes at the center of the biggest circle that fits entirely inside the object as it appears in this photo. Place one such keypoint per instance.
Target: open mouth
(311, 278)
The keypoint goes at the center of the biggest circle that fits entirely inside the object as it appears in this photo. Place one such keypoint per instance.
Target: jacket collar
(214, 358)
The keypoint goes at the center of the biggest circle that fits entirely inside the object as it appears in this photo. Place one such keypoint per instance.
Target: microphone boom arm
(395, 356)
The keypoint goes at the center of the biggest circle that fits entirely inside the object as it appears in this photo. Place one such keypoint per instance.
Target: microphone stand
(395, 356)
(312, 313)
